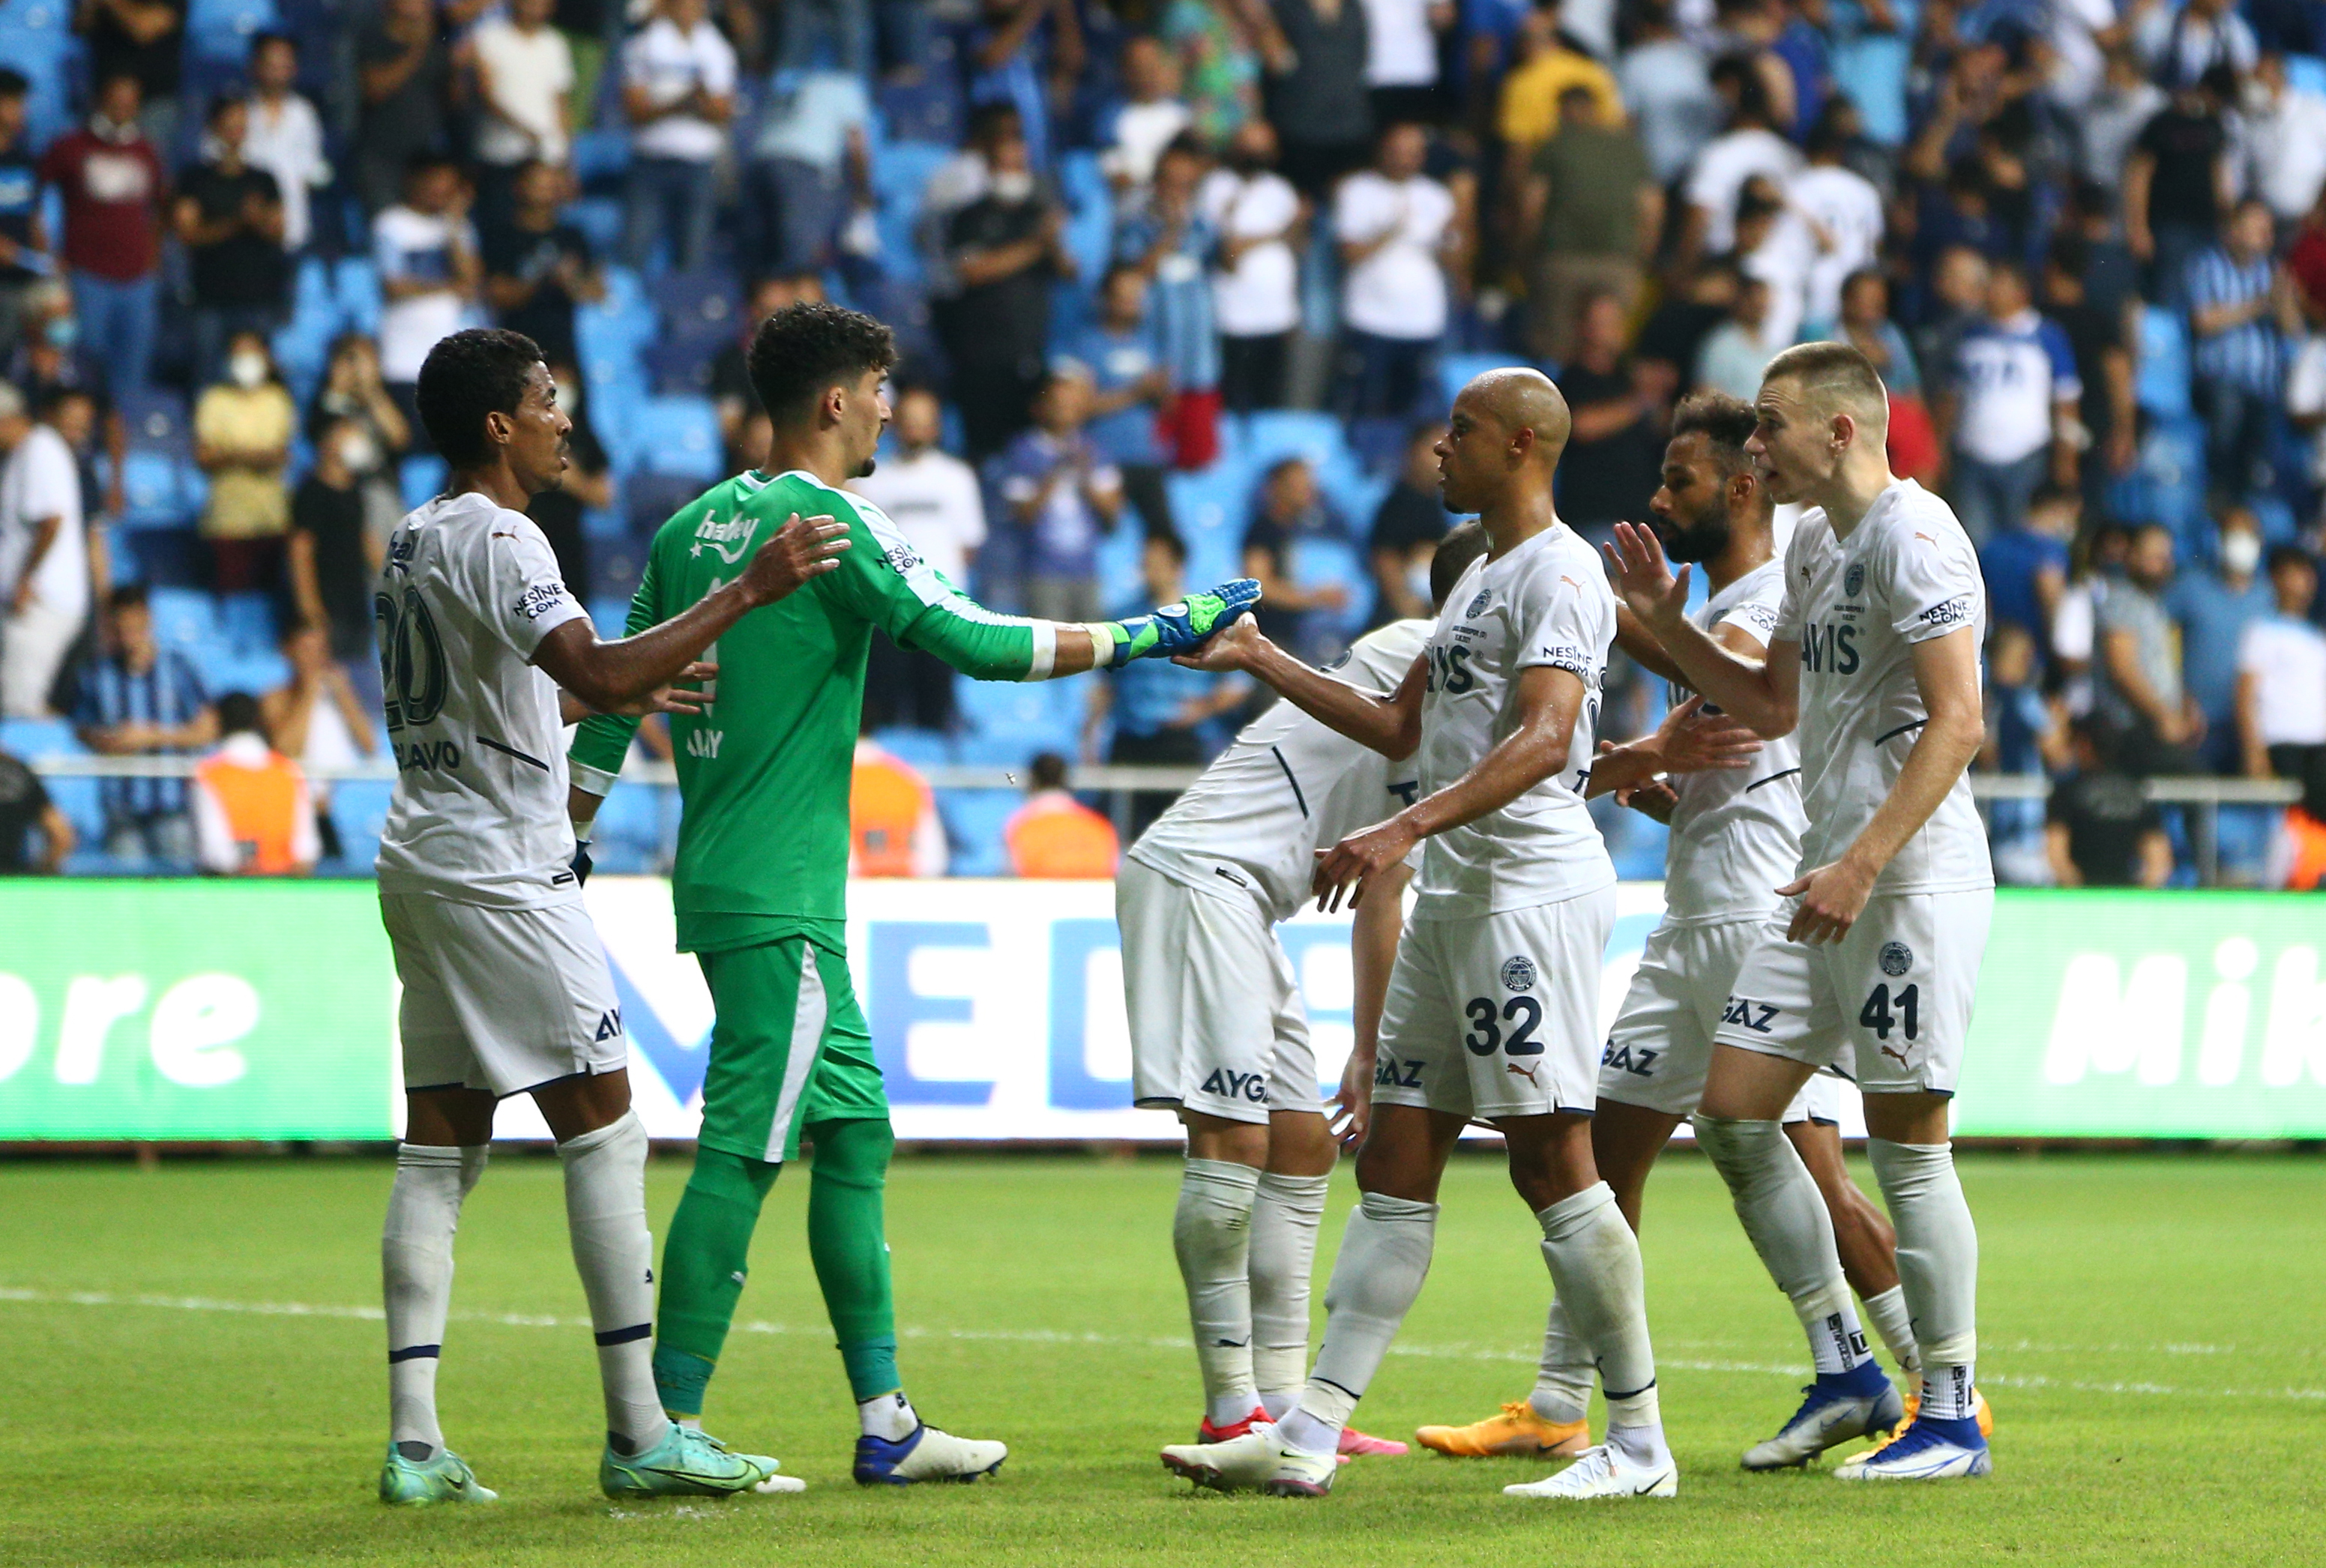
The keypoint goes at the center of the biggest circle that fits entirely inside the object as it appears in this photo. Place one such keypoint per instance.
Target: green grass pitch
(2151, 1326)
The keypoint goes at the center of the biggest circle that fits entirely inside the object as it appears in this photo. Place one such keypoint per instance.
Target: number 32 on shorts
(1485, 1036)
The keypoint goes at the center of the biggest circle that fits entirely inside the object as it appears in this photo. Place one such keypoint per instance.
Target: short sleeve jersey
(1545, 603)
(1252, 825)
(479, 812)
(1737, 833)
(1857, 606)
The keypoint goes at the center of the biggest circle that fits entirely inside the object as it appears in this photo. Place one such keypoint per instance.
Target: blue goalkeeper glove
(1177, 628)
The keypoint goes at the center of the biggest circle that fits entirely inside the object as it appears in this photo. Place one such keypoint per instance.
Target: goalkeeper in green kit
(760, 884)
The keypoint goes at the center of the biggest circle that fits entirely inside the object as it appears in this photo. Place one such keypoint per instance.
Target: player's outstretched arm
(1764, 692)
(1946, 673)
(1391, 724)
(1548, 700)
(609, 677)
(1690, 739)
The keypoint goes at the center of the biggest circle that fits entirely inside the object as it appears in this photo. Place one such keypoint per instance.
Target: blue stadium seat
(156, 490)
(1455, 371)
(222, 29)
(974, 821)
(915, 748)
(1211, 508)
(927, 108)
(653, 498)
(156, 420)
(355, 282)
(256, 673)
(600, 156)
(698, 305)
(677, 436)
(599, 219)
(680, 367)
(184, 618)
(1285, 432)
(1317, 561)
(2306, 73)
(418, 479)
(359, 811)
(51, 17)
(630, 830)
(77, 798)
(246, 621)
(2161, 382)
(30, 738)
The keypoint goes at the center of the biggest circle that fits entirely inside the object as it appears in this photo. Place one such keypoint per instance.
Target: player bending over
(761, 880)
(506, 989)
(1493, 1006)
(1872, 968)
(1217, 1032)
(1735, 837)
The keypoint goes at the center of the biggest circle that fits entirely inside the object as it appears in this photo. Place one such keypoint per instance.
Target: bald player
(1871, 964)
(1492, 1012)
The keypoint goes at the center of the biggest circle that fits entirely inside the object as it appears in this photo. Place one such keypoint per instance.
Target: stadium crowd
(1184, 287)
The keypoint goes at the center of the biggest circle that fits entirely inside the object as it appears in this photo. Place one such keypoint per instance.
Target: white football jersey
(1288, 787)
(1857, 606)
(479, 812)
(1737, 833)
(1545, 602)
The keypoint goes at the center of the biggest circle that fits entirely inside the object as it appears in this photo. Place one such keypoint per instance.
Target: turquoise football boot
(416, 1484)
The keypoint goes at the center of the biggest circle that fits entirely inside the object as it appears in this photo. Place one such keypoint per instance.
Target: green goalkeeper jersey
(764, 769)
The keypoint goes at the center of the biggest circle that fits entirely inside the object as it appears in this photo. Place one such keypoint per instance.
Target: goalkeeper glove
(1177, 628)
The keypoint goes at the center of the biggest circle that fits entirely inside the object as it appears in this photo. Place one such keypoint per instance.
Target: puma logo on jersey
(427, 756)
(1387, 1076)
(1925, 538)
(1893, 1051)
(609, 1025)
(1228, 1085)
(727, 540)
(1526, 1072)
(705, 743)
(1748, 1014)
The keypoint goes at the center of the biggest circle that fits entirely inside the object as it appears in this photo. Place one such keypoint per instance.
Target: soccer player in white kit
(1735, 839)
(1875, 658)
(1217, 1032)
(1492, 1008)
(505, 989)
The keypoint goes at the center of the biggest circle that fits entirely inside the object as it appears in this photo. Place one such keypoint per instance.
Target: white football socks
(1211, 1232)
(606, 1216)
(1938, 1266)
(1562, 1380)
(1285, 1219)
(416, 1259)
(1785, 1216)
(1384, 1258)
(1895, 1325)
(1594, 1267)
(887, 1415)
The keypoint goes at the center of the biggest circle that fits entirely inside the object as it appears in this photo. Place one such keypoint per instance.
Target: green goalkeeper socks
(704, 1261)
(847, 1241)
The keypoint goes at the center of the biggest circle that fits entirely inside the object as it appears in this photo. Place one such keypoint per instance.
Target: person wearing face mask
(2141, 696)
(2212, 610)
(1006, 247)
(1260, 221)
(333, 559)
(242, 440)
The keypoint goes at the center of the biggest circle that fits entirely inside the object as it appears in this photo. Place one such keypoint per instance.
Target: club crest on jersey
(1518, 974)
(1478, 604)
(1897, 957)
(727, 540)
(1854, 579)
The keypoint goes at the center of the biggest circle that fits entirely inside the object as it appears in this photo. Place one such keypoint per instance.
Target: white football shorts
(1216, 1025)
(1660, 1049)
(1889, 1004)
(501, 999)
(1497, 1015)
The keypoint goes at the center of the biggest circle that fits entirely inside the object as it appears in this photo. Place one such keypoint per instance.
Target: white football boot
(1604, 1471)
(1929, 1449)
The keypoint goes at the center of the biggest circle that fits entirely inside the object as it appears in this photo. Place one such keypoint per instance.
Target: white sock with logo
(1594, 1267)
(416, 1259)
(1285, 1218)
(1895, 1325)
(1562, 1382)
(605, 1217)
(1384, 1258)
(1211, 1233)
(1938, 1266)
(1785, 1216)
(887, 1415)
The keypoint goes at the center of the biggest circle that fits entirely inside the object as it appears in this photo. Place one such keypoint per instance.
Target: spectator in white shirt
(1844, 212)
(1397, 229)
(1150, 114)
(933, 500)
(2282, 143)
(429, 274)
(2109, 121)
(1255, 273)
(285, 136)
(2282, 683)
(1668, 91)
(1402, 58)
(524, 69)
(44, 578)
(1748, 147)
(2181, 46)
(678, 92)
(811, 132)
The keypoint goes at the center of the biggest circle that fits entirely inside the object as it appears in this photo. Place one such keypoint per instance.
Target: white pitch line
(292, 1309)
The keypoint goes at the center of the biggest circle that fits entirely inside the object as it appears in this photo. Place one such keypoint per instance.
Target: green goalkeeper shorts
(790, 1048)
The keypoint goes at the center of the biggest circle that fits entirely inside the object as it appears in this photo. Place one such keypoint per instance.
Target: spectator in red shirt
(114, 189)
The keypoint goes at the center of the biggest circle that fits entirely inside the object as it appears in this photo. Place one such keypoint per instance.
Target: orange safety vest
(2307, 872)
(1054, 835)
(887, 801)
(262, 809)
